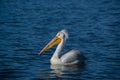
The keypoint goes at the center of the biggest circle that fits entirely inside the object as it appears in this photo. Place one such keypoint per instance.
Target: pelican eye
(58, 35)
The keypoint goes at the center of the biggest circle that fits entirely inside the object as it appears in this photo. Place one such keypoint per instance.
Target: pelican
(71, 57)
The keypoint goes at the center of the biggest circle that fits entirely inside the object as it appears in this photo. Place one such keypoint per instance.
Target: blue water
(26, 26)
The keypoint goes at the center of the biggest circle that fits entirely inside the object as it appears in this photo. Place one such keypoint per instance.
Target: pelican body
(72, 57)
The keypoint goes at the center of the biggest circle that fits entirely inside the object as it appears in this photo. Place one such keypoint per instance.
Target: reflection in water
(62, 71)
(67, 67)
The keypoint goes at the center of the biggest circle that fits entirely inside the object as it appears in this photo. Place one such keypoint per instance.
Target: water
(27, 25)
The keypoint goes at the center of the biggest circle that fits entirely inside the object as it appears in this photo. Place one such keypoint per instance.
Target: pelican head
(61, 36)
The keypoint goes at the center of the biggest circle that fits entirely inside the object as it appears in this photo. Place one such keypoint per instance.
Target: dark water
(27, 25)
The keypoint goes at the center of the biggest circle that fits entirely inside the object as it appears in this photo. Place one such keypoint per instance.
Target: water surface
(27, 25)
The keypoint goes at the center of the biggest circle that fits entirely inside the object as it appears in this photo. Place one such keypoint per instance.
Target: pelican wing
(72, 57)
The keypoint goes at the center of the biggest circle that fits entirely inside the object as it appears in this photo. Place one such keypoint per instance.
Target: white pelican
(72, 57)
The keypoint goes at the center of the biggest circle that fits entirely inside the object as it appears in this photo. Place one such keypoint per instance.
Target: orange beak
(53, 42)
